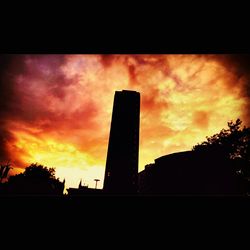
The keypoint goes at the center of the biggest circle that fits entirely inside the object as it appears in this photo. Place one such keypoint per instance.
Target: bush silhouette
(35, 180)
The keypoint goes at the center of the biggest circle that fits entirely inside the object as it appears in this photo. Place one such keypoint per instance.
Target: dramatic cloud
(56, 109)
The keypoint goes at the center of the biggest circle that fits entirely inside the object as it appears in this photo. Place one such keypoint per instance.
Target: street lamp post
(96, 180)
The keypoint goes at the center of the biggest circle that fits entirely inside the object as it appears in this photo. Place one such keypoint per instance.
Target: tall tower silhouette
(121, 174)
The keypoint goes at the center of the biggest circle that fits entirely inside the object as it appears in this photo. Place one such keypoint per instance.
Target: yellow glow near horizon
(69, 162)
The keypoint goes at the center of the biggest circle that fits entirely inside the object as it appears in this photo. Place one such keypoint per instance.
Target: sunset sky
(56, 109)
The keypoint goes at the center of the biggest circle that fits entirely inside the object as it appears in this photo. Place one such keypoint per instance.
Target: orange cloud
(201, 119)
(62, 112)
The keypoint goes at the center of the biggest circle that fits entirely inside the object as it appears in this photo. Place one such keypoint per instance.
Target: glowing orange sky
(66, 106)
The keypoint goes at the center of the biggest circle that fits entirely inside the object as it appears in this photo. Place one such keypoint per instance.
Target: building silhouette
(121, 173)
(83, 190)
(191, 173)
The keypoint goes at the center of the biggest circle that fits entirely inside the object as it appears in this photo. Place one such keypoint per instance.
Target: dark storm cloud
(33, 67)
(7, 99)
(239, 64)
(7, 91)
(37, 72)
(242, 63)
(5, 137)
(16, 103)
(48, 67)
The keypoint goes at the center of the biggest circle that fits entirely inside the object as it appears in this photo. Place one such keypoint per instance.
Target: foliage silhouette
(35, 180)
(232, 143)
(39, 172)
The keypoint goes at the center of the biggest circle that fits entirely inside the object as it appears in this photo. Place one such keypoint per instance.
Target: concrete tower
(121, 174)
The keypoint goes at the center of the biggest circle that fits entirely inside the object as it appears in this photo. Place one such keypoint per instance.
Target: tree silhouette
(35, 180)
(39, 172)
(232, 143)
